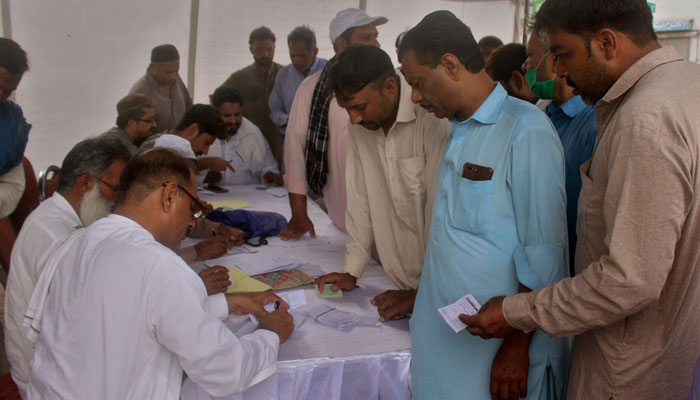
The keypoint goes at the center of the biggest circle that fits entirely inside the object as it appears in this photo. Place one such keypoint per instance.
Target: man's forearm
(297, 202)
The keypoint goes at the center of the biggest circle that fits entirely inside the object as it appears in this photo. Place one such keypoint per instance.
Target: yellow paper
(231, 204)
(242, 283)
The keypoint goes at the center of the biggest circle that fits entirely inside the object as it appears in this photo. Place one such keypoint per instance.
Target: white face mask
(94, 206)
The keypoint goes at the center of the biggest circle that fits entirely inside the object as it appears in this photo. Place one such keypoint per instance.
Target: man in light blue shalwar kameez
(488, 236)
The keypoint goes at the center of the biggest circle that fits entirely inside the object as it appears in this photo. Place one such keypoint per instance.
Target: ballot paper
(295, 299)
(277, 191)
(450, 313)
(341, 320)
(258, 263)
(303, 241)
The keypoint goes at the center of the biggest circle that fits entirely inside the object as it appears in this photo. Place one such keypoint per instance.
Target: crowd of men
(555, 181)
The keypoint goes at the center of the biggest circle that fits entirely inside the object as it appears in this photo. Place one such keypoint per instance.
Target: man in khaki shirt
(634, 304)
(394, 152)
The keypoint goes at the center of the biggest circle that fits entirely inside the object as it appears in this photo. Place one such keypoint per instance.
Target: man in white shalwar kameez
(86, 192)
(125, 316)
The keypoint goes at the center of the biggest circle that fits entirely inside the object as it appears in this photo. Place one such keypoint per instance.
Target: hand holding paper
(489, 322)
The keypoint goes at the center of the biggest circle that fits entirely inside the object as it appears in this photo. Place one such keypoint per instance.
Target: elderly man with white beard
(86, 192)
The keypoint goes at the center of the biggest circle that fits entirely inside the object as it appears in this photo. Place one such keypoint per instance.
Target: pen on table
(277, 304)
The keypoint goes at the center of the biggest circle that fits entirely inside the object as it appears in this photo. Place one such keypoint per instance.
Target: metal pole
(516, 22)
(192, 53)
(526, 20)
(363, 5)
(6, 22)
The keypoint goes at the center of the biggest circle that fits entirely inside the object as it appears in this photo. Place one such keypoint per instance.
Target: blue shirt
(486, 238)
(286, 84)
(575, 123)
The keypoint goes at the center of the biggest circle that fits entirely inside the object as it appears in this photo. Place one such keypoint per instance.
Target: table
(320, 362)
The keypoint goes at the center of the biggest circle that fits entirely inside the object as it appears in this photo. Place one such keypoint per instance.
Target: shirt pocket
(410, 202)
(471, 205)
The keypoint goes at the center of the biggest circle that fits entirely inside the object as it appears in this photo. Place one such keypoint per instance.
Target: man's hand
(213, 177)
(233, 235)
(273, 178)
(216, 279)
(489, 322)
(216, 164)
(214, 247)
(510, 368)
(394, 304)
(252, 303)
(279, 322)
(297, 227)
(339, 280)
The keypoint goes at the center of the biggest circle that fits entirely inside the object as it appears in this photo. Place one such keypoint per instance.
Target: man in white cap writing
(315, 143)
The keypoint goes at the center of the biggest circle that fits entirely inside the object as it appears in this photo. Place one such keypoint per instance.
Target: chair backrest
(48, 180)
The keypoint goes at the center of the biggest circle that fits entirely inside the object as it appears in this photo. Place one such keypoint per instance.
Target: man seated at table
(87, 190)
(135, 121)
(394, 151)
(244, 147)
(136, 319)
(164, 87)
(194, 134)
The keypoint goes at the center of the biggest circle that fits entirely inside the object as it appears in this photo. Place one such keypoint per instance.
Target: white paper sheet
(277, 191)
(295, 299)
(450, 313)
(258, 263)
(303, 241)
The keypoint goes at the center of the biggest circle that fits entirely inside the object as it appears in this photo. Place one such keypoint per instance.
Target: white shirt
(248, 153)
(390, 182)
(11, 190)
(125, 316)
(49, 224)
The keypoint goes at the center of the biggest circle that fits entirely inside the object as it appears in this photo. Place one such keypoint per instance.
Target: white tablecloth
(319, 362)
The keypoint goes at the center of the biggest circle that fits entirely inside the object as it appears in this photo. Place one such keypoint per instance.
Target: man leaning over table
(634, 304)
(394, 151)
(137, 319)
(499, 222)
(315, 144)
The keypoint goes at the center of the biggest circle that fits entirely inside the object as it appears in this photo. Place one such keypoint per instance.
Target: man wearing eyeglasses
(87, 190)
(137, 318)
(135, 121)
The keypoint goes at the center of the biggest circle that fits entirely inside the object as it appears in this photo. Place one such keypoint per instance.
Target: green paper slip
(328, 292)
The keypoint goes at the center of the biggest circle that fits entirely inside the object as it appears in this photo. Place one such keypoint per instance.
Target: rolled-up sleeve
(539, 202)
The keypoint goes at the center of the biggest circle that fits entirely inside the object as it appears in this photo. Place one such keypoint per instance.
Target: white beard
(94, 207)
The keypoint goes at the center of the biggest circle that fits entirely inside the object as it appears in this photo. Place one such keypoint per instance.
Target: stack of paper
(258, 263)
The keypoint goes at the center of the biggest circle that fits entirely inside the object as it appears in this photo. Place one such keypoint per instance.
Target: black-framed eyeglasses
(109, 185)
(196, 213)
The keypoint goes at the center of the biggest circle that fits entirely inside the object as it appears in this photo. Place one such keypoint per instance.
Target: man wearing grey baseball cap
(315, 143)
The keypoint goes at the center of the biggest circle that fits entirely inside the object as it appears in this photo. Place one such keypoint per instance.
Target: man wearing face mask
(256, 82)
(87, 190)
(539, 72)
(574, 121)
(164, 87)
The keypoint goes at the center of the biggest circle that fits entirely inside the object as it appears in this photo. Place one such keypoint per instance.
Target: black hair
(90, 157)
(439, 33)
(207, 118)
(225, 94)
(631, 17)
(148, 171)
(123, 119)
(490, 41)
(12, 57)
(304, 34)
(346, 35)
(261, 33)
(358, 66)
(506, 59)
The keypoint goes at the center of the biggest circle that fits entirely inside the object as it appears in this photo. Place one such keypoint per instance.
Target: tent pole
(6, 22)
(192, 51)
(363, 5)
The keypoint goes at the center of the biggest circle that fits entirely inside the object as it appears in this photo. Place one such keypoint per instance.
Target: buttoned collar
(488, 111)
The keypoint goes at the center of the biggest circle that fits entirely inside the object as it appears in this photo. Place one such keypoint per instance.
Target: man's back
(125, 316)
(51, 223)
